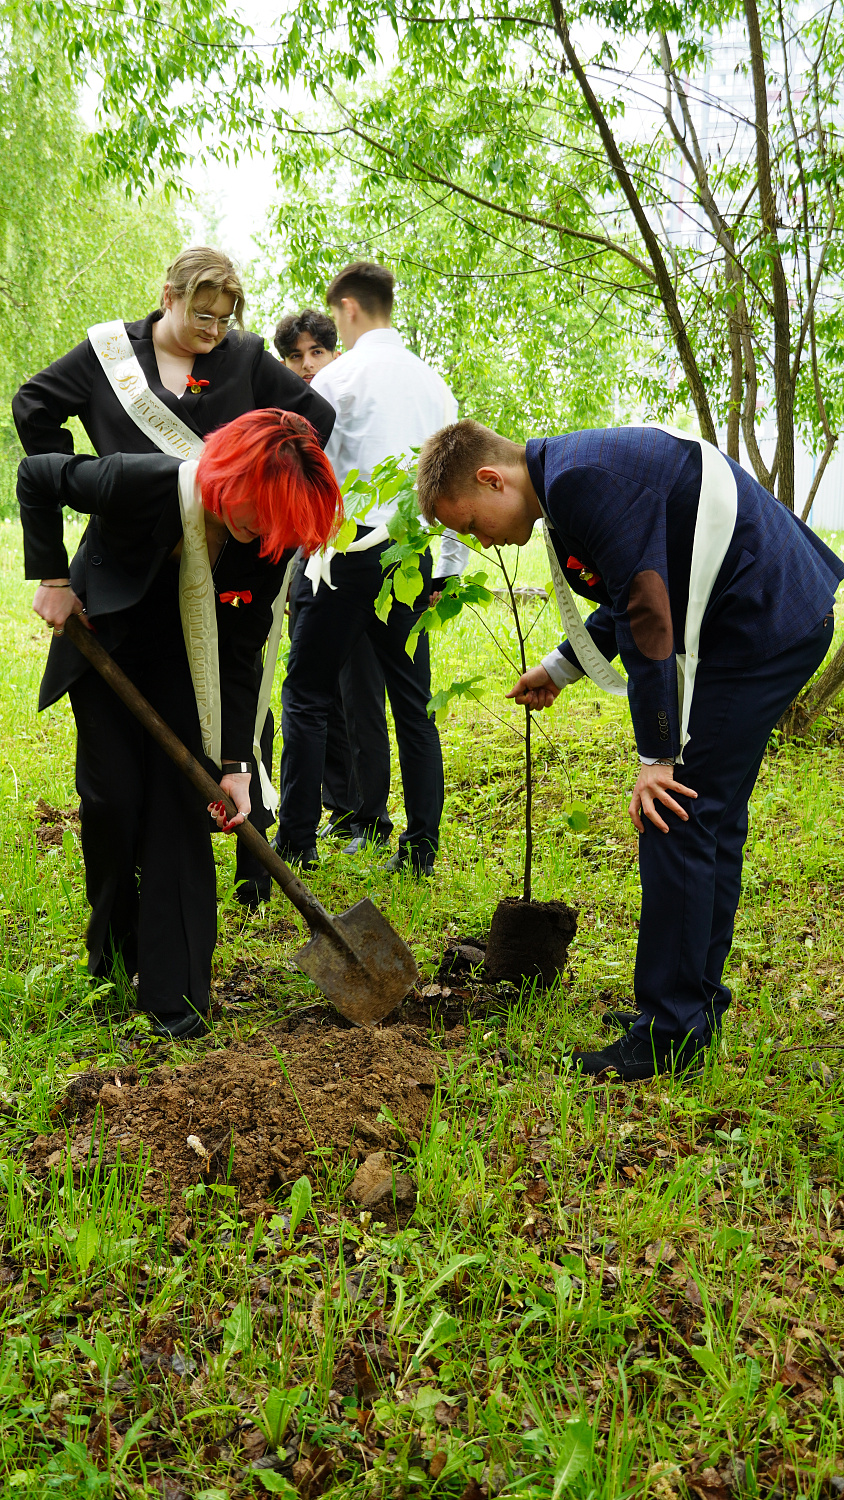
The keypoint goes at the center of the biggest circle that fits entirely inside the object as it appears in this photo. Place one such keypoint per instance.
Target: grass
(604, 1291)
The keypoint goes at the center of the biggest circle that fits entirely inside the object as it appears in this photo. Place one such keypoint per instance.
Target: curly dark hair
(321, 328)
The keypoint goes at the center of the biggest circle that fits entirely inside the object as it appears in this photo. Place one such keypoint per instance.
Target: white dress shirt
(387, 402)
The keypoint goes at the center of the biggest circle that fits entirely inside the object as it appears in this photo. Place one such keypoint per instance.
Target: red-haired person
(261, 488)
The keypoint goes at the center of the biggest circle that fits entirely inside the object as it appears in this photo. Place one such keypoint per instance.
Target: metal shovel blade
(369, 978)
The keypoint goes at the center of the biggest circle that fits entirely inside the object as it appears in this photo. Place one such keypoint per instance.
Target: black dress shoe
(404, 860)
(252, 893)
(364, 841)
(339, 826)
(633, 1059)
(306, 859)
(624, 1019)
(181, 1028)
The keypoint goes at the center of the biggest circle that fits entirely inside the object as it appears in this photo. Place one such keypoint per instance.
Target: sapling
(533, 939)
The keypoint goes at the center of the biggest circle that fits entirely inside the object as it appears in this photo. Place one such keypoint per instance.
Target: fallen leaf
(366, 1383)
(446, 1415)
(660, 1252)
(794, 1377)
(693, 1293)
(537, 1191)
(474, 1491)
(828, 1263)
(437, 1464)
(254, 1444)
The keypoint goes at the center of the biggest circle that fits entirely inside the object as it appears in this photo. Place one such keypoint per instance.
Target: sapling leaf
(346, 534)
(578, 819)
(301, 1197)
(384, 602)
(438, 705)
(68, 843)
(407, 584)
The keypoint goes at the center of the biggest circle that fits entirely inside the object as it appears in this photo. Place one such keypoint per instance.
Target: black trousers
(362, 687)
(329, 627)
(691, 876)
(247, 867)
(356, 777)
(149, 867)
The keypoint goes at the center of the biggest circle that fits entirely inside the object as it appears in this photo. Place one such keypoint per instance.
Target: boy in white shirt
(387, 402)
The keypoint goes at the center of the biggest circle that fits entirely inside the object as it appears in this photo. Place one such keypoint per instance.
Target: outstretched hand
(535, 689)
(655, 784)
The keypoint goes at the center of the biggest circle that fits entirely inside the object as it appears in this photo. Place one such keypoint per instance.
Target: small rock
(369, 1130)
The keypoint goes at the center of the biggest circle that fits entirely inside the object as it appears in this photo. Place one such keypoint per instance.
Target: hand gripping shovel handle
(315, 914)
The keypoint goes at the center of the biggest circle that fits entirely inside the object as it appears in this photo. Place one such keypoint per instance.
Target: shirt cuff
(656, 760)
(561, 671)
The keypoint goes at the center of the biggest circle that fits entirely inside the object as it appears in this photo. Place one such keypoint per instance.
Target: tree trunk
(783, 388)
(799, 718)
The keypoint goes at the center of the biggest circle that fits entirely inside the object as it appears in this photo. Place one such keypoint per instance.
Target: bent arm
(43, 404)
(274, 385)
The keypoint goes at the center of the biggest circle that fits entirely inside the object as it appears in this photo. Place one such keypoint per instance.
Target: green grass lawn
(604, 1291)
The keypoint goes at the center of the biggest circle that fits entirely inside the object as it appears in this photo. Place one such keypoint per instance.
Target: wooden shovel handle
(315, 914)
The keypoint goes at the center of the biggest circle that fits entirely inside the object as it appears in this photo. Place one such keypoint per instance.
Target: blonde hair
(201, 269)
(451, 458)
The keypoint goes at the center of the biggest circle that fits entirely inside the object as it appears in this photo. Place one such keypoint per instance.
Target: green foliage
(70, 254)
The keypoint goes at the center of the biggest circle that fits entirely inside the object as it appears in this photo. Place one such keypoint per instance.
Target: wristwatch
(236, 768)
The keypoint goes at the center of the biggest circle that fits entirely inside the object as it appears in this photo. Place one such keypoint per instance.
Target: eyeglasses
(207, 320)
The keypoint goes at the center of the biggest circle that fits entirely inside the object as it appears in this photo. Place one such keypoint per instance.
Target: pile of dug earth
(255, 1116)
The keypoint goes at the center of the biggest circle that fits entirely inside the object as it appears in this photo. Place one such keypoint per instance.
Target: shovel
(358, 960)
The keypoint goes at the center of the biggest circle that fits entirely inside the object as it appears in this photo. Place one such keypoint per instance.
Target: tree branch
(660, 270)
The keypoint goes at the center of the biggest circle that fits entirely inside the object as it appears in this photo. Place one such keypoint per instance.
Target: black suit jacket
(135, 522)
(241, 377)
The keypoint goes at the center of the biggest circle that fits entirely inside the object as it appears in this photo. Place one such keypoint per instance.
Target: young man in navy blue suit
(632, 514)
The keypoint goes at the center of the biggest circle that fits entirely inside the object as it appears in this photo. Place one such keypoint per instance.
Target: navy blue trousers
(691, 876)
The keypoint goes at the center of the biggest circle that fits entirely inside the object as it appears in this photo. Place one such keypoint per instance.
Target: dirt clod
(529, 940)
(264, 1112)
(375, 1182)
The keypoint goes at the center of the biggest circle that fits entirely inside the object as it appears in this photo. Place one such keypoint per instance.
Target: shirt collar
(378, 336)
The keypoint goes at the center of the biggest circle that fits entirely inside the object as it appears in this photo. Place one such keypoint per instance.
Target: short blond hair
(202, 269)
(451, 458)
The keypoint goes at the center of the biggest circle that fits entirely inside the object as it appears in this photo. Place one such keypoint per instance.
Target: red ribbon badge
(586, 575)
(196, 387)
(236, 597)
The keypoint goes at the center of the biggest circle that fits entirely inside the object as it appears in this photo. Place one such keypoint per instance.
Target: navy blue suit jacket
(623, 503)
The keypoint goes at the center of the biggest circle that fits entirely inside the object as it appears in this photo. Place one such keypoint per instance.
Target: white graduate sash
(198, 609)
(594, 664)
(714, 527)
(112, 346)
(716, 521)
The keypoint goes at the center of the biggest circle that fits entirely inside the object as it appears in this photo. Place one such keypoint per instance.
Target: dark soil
(53, 822)
(262, 1121)
(529, 940)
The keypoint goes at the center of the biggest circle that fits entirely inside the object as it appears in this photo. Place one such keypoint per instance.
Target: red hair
(268, 468)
